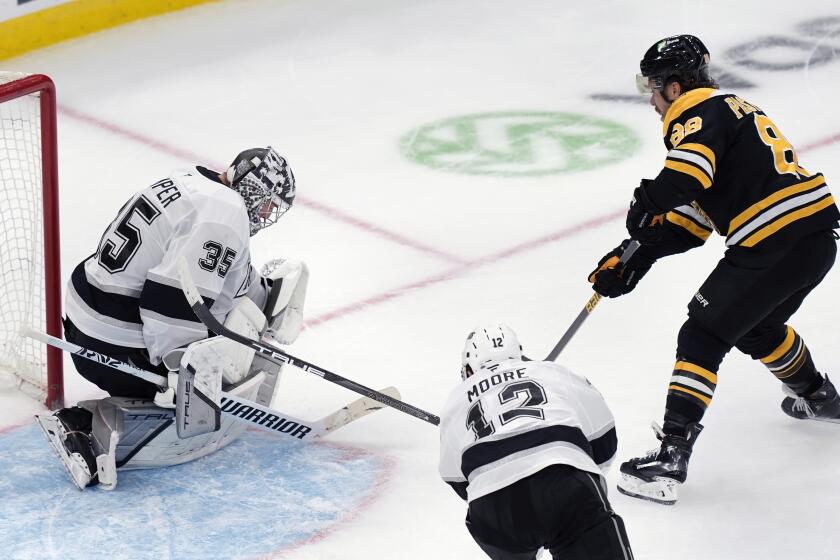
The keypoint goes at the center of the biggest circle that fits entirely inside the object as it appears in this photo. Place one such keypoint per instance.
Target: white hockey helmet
(265, 181)
(488, 345)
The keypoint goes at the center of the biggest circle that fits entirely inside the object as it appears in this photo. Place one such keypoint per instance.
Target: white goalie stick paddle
(587, 309)
(277, 356)
(241, 409)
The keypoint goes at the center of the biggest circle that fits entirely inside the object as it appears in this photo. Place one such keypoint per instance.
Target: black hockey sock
(690, 392)
(791, 362)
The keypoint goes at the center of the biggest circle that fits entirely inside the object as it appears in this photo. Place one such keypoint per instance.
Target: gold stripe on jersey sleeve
(702, 150)
(706, 400)
(787, 219)
(685, 223)
(783, 348)
(764, 203)
(694, 368)
(685, 102)
(689, 169)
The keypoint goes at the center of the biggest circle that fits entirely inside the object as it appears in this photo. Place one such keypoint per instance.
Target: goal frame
(45, 88)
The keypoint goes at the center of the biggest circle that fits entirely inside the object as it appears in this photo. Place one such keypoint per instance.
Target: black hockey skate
(657, 475)
(68, 431)
(823, 404)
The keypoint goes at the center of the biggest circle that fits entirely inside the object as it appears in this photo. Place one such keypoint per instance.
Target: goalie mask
(487, 346)
(265, 181)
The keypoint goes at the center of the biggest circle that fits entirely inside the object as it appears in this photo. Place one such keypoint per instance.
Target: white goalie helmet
(265, 181)
(488, 345)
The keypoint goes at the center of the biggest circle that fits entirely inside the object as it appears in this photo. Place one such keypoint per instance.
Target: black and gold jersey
(730, 169)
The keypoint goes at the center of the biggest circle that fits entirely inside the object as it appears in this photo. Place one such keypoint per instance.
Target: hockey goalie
(125, 302)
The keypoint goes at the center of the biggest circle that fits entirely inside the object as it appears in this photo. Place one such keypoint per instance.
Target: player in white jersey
(527, 444)
(125, 301)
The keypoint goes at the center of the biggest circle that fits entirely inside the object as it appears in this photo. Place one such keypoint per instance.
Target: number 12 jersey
(512, 420)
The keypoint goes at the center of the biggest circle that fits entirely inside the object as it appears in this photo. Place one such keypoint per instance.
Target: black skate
(68, 431)
(657, 475)
(823, 404)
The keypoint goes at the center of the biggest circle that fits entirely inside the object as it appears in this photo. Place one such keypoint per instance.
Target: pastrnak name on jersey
(484, 385)
(730, 169)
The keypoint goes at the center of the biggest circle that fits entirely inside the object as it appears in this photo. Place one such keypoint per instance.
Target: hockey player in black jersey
(527, 445)
(729, 169)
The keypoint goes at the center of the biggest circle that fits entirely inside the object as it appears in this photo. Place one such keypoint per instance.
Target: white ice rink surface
(405, 258)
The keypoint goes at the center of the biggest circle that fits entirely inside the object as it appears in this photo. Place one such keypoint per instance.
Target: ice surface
(255, 498)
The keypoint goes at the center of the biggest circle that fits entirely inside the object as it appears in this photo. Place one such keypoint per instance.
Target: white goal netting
(23, 362)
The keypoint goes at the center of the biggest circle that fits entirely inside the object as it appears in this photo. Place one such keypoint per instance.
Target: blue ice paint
(259, 495)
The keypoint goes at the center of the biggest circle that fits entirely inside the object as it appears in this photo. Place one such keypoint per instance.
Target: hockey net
(30, 286)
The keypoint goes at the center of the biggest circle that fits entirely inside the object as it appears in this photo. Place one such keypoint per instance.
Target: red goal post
(30, 276)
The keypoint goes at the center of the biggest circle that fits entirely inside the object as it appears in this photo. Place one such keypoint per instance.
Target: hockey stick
(278, 356)
(241, 409)
(587, 309)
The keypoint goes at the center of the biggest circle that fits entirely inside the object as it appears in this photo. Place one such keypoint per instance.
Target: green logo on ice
(519, 143)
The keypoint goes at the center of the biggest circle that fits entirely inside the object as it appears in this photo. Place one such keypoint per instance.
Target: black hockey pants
(749, 293)
(115, 383)
(559, 508)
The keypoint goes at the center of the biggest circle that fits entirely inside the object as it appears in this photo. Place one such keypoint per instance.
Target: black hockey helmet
(681, 58)
(262, 176)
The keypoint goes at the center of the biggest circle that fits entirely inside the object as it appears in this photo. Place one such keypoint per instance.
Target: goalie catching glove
(284, 305)
(612, 278)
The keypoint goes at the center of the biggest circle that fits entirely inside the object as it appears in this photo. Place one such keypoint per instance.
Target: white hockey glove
(224, 361)
(284, 305)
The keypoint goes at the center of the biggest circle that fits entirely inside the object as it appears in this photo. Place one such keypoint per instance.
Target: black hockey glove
(611, 278)
(644, 222)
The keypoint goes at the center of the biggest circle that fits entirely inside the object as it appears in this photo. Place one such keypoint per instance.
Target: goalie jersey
(128, 294)
(730, 169)
(516, 418)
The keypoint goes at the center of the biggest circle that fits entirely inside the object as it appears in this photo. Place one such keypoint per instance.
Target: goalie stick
(241, 409)
(587, 309)
(278, 356)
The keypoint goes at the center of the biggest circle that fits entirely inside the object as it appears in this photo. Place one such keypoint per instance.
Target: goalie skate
(72, 448)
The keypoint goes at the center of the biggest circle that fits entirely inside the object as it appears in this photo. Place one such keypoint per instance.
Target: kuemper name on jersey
(496, 379)
(166, 192)
(268, 420)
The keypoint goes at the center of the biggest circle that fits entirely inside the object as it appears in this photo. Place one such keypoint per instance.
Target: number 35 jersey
(510, 421)
(128, 294)
(729, 168)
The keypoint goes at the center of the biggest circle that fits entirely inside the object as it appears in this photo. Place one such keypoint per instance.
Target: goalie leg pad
(268, 388)
(136, 434)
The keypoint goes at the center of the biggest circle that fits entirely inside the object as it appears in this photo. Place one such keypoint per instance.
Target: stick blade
(356, 409)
